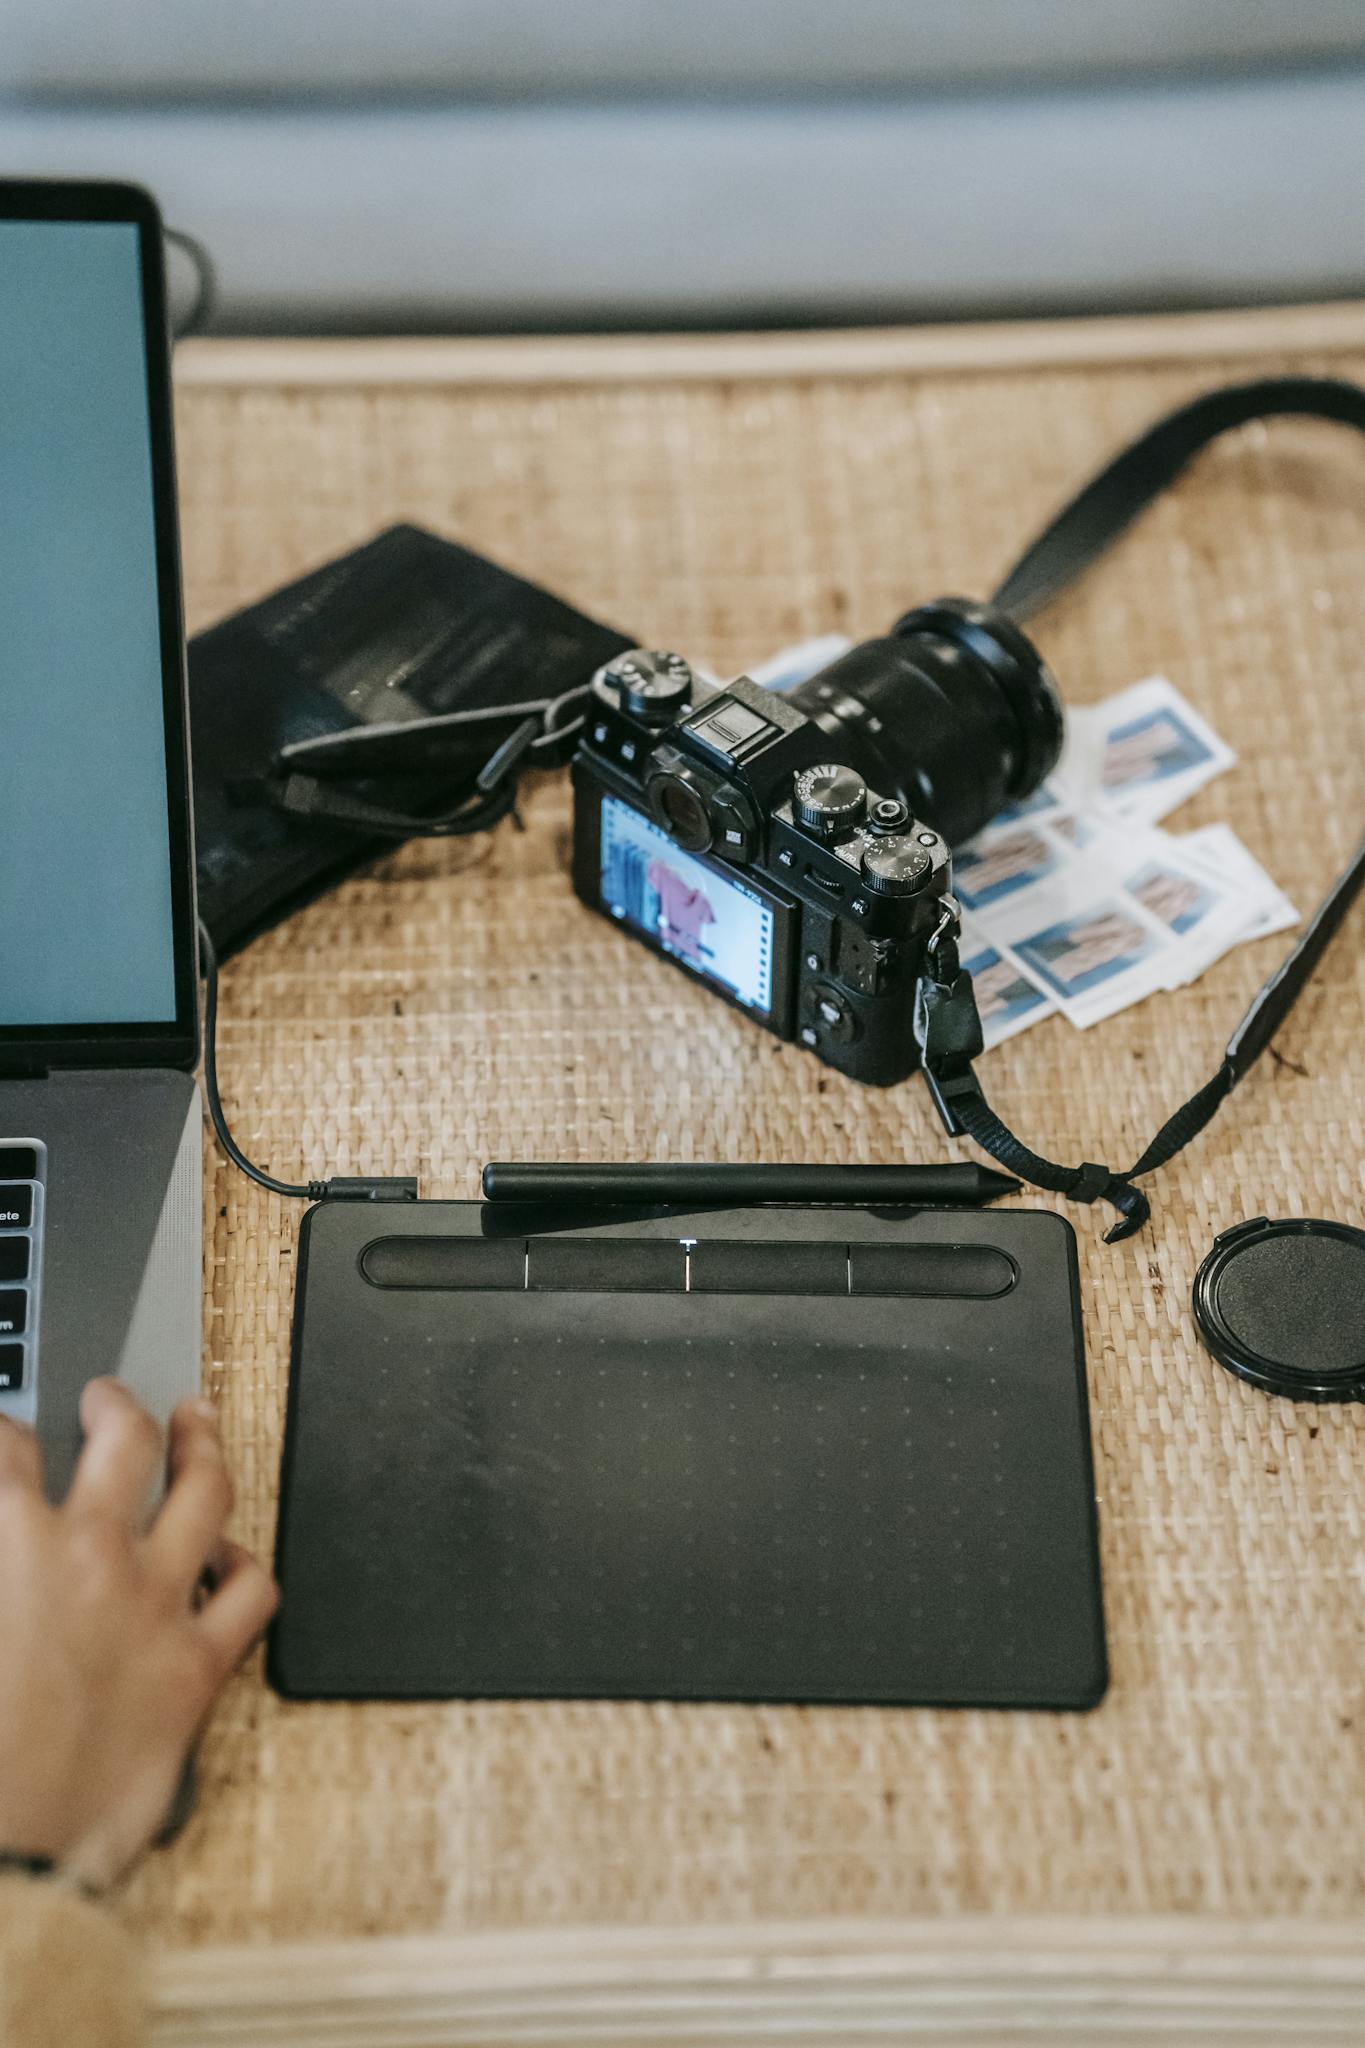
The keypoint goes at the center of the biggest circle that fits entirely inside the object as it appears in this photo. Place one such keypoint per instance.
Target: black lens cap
(1283, 1305)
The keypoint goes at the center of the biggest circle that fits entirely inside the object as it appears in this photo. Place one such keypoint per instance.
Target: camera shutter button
(895, 866)
(829, 801)
(888, 814)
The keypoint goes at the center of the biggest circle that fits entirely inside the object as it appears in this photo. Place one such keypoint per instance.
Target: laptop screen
(88, 754)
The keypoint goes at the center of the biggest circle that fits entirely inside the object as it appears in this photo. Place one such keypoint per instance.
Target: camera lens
(679, 806)
(955, 714)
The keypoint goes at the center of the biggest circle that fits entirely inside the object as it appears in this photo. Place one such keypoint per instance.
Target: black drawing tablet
(763, 1454)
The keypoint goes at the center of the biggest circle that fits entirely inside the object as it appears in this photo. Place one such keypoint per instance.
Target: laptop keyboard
(21, 1258)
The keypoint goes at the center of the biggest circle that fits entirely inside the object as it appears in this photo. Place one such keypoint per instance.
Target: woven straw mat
(456, 1005)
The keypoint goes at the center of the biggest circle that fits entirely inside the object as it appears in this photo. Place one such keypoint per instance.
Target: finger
(189, 1528)
(21, 1463)
(240, 1607)
(122, 1455)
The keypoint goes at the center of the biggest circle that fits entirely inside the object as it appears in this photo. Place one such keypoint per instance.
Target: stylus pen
(968, 1184)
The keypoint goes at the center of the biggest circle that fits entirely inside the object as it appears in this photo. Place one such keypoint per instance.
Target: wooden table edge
(972, 1980)
(861, 352)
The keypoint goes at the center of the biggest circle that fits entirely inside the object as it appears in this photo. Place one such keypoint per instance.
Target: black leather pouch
(407, 628)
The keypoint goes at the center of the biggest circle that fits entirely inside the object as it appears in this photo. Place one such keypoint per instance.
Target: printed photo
(1006, 998)
(1003, 864)
(1150, 749)
(1178, 899)
(1083, 951)
(1076, 830)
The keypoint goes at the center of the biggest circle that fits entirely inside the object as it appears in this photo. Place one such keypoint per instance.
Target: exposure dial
(897, 865)
(830, 801)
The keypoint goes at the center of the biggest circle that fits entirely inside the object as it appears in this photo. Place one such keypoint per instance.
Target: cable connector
(365, 1188)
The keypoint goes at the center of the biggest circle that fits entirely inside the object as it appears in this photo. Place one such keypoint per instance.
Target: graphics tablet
(763, 1454)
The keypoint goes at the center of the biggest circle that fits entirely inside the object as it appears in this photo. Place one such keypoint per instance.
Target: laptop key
(14, 1255)
(23, 1174)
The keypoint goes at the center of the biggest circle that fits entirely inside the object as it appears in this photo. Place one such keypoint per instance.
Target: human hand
(115, 1638)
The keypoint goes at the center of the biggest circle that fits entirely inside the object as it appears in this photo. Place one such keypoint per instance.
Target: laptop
(100, 1126)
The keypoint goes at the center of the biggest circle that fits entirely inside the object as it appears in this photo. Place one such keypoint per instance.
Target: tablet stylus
(696, 1181)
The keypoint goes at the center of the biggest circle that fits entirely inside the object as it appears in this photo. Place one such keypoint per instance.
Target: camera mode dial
(829, 801)
(653, 685)
(896, 865)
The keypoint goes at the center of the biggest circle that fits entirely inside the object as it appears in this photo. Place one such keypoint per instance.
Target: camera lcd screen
(686, 907)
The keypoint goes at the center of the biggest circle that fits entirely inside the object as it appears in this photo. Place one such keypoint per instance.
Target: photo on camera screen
(706, 920)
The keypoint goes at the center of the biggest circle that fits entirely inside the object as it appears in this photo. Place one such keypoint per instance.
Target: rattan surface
(456, 1005)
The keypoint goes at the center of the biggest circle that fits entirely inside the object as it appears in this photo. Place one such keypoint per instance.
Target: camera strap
(947, 1024)
(537, 734)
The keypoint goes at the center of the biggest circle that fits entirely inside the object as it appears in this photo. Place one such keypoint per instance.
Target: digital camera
(792, 851)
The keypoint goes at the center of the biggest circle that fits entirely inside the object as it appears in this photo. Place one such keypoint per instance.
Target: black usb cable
(340, 1188)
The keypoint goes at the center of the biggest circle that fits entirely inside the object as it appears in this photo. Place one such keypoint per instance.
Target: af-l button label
(13, 1311)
